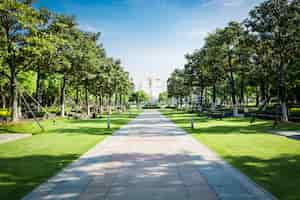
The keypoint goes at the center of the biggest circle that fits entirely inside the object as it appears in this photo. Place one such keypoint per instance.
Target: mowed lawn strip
(26, 163)
(271, 161)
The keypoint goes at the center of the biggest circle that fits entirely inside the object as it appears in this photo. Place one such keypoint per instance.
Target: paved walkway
(8, 137)
(150, 158)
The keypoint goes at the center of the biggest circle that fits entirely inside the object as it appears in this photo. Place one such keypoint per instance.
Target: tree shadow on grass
(19, 175)
(251, 129)
(188, 120)
(5, 130)
(117, 121)
(280, 175)
(226, 126)
(84, 130)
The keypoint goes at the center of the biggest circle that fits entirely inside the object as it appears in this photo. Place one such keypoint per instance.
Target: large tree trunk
(284, 111)
(77, 107)
(181, 102)
(257, 97)
(121, 102)
(263, 90)
(101, 103)
(282, 93)
(38, 89)
(63, 96)
(116, 102)
(13, 93)
(109, 104)
(201, 99)
(214, 97)
(87, 99)
(232, 86)
(3, 101)
(242, 97)
(19, 107)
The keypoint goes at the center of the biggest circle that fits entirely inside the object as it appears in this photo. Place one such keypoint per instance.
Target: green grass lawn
(270, 160)
(26, 163)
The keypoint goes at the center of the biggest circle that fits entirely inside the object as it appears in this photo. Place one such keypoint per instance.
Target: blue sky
(151, 37)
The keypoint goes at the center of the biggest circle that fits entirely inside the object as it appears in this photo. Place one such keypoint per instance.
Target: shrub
(151, 106)
(37, 114)
(295, 109)
(4, 113)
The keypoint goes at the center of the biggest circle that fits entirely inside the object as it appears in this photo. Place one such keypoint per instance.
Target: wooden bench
(216, 115)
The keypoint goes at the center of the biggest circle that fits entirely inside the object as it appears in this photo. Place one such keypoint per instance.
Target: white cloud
(196, 34)
(224, 3)
(87, 27)
(233, 2)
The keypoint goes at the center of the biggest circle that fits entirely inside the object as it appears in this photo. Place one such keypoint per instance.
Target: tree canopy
(47, 56)
(257, 57)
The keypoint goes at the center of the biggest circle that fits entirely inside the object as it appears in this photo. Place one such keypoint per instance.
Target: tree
(276, 22)
(19, 23)
(163, 97)
(65, 28)
(214, 57)
(177, 87)
(229, 40)
(140, 96)
(196, 70)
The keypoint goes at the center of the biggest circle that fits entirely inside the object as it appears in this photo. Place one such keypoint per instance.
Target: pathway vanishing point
(149, 159)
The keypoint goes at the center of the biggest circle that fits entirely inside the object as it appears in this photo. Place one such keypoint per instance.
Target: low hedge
(151, 107)
(4, 113)
(36, 114)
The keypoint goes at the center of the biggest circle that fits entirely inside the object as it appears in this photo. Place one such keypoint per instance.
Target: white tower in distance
(154, 85)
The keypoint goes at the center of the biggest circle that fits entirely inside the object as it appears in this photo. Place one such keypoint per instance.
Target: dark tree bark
(214, 97)
(13, 82)
(63, 96)
(101, 103)
(282, 94)
(3, 101)
(3, 98)
(13, 93)
(242, 89)
(87, 98)
(109, 103)
(77, 96)
(263, 91)
(232, 87)
(38, 91)
(201, 98)
(257, 97)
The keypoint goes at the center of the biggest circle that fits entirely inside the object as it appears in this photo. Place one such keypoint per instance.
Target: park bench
(216, 115)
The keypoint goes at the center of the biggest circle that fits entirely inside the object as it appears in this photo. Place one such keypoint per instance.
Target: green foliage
(176, 84)
(4, 113)
(163, 97)
(47, 56)
(140, 96)
(255, 60)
